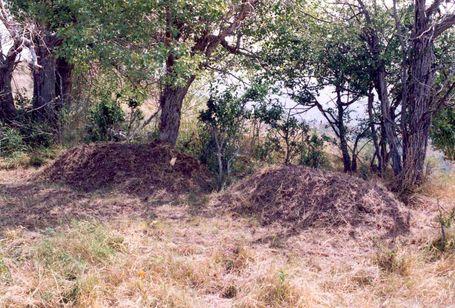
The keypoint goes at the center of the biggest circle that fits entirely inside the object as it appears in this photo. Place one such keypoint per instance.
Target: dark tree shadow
(34, 205)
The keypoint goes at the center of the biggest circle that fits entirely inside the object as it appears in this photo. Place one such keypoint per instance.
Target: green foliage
(224, 120)
(265, 151)
(27, 142)
(22, 147)
(105, 120)
(108, 108)
(443, 132)
(288, 136)
(298, 49)
(11, 141)
(35, 132)
(38, 134)
(312, 152)
(119, 34)
(36, 160)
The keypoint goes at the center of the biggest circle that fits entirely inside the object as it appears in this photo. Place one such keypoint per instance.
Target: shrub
(312, 152)
(105, 121)
(288, 137)
(224, 120)
(443, 132)
(36, 132)
(36, 160)
(446, 241)
(11, 141)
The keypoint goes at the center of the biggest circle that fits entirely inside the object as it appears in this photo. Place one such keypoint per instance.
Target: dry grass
(175, 257)
(307, 198)
(440, 186)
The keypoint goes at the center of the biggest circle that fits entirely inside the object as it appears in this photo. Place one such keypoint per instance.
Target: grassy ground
(60, 247)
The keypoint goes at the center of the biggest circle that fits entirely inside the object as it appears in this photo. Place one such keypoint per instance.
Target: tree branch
(433, 7)
(447, 22)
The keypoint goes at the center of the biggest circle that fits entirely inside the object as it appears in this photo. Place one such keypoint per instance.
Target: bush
(11, 141)
(35, 133)
(312, 152)
(224, 120)
(36, 160)
(105, 121)
(288, 137)
(443, 132)
(29, 145)
(446, 241)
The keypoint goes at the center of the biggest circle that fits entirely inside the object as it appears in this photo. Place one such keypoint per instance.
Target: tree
(404, 37)
(52, 80)
(225, 118)
(375, 24)
(21, 39)
(168, 42)
(193, 31)
(341, 64)
(308, 56)
(419, 96)
(287, 134)
(283, 127)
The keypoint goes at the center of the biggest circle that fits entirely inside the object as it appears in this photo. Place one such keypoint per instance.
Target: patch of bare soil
(301, 198)
(143, 169)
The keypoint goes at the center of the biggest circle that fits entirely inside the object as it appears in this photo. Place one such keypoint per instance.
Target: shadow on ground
(31, 204)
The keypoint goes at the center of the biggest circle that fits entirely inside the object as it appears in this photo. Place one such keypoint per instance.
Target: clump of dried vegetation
(175, 255)
(135, 168)
(302, 198)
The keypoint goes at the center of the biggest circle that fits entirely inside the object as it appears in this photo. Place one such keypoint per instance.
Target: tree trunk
(354, 163)
(383, 144)
(347, 165)
(388, 120)
(342, 133)
(64, 82)
(44, 85)
(414, 157)
(287, 157)
(171, 100)
(417, 108)
(345, 153)
(374, 135)
(219, 156)
(7, 107)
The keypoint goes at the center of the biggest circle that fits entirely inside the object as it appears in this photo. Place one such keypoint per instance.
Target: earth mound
(299, 198)
(145, 169)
